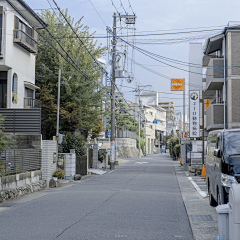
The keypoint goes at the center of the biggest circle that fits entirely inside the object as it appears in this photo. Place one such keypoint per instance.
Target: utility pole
(112, 147)
(184, 105)
(58, 107)
(145, 135)
(139, 126)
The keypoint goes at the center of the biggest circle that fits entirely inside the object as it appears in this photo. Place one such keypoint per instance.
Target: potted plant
(14, 97)
(59, 173)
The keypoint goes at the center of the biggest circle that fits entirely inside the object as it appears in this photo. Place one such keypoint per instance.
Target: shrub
(171, 144)
(59, 173)
(101, 154)
(101, 158)
(176, 150)
(71, 141)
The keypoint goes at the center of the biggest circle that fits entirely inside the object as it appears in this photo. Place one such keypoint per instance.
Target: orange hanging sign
(176, 84)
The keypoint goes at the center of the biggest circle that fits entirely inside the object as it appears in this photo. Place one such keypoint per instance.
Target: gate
(90, 155)
(81, 165)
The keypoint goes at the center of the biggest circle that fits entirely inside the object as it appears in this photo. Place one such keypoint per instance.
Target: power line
(123, 7)
(72, 63)
(148, 54)
(131, 7)
(98, 13)
(78, 36)
(115, 7)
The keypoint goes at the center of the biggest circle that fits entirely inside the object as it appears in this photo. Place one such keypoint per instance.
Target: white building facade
(19, 42)
(155, 127)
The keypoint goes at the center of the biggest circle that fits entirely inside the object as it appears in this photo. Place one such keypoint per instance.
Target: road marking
(141, 162)
(197, 188)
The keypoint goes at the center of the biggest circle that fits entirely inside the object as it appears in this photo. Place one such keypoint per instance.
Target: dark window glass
(232, 143)
(16, 23)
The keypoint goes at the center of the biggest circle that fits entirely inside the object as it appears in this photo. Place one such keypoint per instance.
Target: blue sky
(153, 15)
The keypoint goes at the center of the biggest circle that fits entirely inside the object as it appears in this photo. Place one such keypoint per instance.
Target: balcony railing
(215, 116)
(26, 41)
(31, 103)
(215, 74)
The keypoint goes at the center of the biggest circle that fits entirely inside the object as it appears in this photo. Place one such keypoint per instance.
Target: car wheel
(212, 201)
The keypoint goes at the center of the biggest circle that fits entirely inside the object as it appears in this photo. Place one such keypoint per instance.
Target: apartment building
(169, 107)
(222, 60)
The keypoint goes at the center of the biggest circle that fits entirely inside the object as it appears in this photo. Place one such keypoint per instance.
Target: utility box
(234, 212)
(223, 221)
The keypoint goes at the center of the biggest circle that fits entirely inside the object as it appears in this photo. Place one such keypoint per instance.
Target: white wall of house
(15, 58)
(150, 113)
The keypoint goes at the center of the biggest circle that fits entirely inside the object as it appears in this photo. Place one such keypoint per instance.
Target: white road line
(197, 188)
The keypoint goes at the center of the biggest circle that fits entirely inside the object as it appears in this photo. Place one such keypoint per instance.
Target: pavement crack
(83, 217)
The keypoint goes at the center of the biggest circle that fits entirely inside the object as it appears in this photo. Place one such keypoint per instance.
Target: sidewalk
(202, 217)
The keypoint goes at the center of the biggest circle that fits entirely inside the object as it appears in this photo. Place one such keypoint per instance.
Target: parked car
(222, 164)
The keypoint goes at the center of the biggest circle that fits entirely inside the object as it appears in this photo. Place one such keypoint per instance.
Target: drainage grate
(191, 198)
(202, 218)
(8, 204)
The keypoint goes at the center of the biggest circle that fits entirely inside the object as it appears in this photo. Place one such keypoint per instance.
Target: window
(14, 88)
(1, 19)
(19, 25)
(28, 93)
(3, 89)
(28, 98)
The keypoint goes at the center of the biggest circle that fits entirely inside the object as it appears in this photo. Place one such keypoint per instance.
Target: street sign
(109, 132)
(194, 114)
(177, 84)
(155, 121)
(163, 148)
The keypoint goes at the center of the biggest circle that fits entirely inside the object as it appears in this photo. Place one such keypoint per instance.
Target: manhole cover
(191, 198)
(202, 218)
(8, 204)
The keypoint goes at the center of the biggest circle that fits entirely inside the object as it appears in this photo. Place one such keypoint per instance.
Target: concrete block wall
(48, 166)
(95, 156)
(127, 148)
(69, 165)
(20, 180)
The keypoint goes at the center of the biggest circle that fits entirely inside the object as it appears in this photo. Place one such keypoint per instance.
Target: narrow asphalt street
(138, 200)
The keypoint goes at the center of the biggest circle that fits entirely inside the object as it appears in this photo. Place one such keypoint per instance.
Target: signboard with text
(194, 114)
(112, 152)
(185, 135)
(176, 84)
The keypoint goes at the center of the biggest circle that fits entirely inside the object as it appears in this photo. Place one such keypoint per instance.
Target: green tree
(4, 139)
(72, 141)
(123, 120)
(80, 97)
(174, 150)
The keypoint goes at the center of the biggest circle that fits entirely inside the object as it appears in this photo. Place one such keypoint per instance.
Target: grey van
(222, 164)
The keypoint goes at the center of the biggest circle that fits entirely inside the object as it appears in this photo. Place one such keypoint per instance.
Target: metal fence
(22, 120)
(126, 134)
(14, 161)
